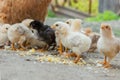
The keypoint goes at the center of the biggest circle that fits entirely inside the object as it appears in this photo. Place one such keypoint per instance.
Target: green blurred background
(99, 10)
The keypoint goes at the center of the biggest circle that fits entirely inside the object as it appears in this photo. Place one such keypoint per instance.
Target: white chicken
(76, 27)
(75, 41)
(22, 35)
(108, 44)
(3, 34)
(57, 35)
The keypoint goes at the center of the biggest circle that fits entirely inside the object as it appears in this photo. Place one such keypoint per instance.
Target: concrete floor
(16, 67)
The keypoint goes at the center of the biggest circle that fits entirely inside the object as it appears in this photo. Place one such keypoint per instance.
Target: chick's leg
(22, 47)
(77, 58)
(44, 49)
(13, 46)
(105, 61)
(60, 48)
(66, 49)
(107, 64)
(21, 41)
(66, 53)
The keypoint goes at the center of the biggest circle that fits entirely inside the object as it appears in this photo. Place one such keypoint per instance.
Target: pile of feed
(56, 59)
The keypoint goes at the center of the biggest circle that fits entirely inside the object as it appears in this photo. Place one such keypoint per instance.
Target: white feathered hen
(75, 41)
(3, 34)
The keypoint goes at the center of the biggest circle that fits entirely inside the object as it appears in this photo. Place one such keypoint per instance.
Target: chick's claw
(107, 65)
(67, 55)
(22, 49)
(42, 50)
(103, 63)
(70, 55)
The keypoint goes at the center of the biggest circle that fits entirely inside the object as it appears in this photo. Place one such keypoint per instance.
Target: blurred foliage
(106, 16)
(83, 5)
(80, 5)
(51, 14)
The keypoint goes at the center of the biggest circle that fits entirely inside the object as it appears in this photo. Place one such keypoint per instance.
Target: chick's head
(69, 21)
(26, 22)
(76, 25)
(60, 27)
(36, 24)
(4, 28)
(88, 31)
(18, 28)
(106, 30)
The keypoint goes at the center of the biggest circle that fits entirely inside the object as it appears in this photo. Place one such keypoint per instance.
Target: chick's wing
(75, 41)
(48, 34)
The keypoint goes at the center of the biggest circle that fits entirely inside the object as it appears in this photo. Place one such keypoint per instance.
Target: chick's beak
(53, 27)
(102, 27)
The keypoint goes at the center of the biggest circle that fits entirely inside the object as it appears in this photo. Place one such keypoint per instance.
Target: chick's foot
(107, 65)
(104, 62)
(42, 50)
(77, 58)
(60, 50)
(22, 49)
(13, 47)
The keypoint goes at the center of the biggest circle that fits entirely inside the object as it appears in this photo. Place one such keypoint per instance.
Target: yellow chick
(75, 41)
(108, 44)
(94, 37)
(3, 34)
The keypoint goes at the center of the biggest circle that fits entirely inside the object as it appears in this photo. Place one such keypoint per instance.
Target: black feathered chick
(44, 31)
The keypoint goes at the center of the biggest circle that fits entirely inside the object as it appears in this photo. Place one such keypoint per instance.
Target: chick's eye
(107, 27)
(6, 28)
(32, 31)
(67, 22)
(56, 25)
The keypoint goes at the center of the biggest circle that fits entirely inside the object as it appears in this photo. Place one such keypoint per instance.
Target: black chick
(45, 32)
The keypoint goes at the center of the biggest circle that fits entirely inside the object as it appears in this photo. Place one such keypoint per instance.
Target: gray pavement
(16, 67)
